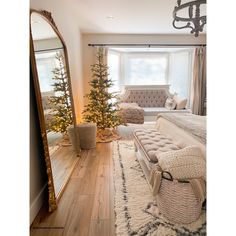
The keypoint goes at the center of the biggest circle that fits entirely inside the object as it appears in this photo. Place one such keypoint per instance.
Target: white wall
(127, 39)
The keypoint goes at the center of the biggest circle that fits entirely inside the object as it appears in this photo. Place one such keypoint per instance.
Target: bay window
(155, 66)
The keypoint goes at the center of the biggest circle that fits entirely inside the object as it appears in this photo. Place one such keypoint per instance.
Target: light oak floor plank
(100, 207)
(86, 206)
(46, 232)
(78, 222)
(99, 227)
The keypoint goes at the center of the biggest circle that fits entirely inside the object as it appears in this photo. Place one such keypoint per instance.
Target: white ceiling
(130, 16)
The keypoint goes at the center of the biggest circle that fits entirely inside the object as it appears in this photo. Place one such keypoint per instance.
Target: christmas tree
(102, 107)
(62, 110)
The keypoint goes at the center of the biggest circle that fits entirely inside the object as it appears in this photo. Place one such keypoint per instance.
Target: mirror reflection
(56, 99)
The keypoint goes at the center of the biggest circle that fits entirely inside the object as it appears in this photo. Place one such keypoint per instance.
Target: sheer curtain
(114, 70)
(103, 50)
(181, 72)
(198, 97)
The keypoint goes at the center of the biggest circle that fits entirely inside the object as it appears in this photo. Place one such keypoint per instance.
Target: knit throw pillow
(183, 164)
(180, 102)
(170, 103)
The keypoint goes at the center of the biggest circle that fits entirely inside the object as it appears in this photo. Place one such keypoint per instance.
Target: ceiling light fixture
(194, 20)
(110, 17)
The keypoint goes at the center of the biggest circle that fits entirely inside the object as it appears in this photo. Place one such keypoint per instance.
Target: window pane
(46, 63)
(145, 69)
(161, 66)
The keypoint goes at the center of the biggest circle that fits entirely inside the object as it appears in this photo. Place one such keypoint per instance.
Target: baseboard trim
(37, 204)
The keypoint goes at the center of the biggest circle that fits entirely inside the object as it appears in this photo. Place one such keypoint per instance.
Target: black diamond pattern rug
(136, 212)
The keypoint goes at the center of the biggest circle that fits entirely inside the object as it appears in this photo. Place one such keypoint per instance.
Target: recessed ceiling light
(110, 17)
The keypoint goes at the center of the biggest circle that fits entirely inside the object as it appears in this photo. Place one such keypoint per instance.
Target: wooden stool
(87, 135)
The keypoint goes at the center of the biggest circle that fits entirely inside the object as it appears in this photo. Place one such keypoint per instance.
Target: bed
(184, 129)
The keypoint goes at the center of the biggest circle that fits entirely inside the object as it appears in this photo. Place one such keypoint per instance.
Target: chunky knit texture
(185, 163)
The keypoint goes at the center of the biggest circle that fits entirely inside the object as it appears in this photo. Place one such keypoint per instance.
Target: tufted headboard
(146, 96)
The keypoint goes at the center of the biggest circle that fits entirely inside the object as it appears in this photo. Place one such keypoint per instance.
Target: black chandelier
(194, 20)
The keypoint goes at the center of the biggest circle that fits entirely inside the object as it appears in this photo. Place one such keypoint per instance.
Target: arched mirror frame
(52, 201)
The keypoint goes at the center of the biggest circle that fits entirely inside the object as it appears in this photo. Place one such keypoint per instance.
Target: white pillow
(185, 163)
(170, 103)
(180, 102)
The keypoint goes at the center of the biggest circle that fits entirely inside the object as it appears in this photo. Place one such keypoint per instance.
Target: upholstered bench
(148, 144)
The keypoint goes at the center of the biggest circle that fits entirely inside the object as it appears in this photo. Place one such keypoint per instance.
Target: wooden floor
(86, 206)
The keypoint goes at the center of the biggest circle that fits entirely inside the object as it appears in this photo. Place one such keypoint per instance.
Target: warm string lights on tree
(101, 108)
(62, 111)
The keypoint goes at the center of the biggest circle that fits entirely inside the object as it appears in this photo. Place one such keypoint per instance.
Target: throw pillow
(170, 103)
(180, 102)
(186, 163)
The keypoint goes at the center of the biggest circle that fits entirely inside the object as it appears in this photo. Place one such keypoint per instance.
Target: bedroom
(88, 198)
(162, 70)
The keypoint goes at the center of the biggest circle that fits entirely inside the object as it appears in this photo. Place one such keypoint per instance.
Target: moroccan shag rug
(136, 212)
(126, 131)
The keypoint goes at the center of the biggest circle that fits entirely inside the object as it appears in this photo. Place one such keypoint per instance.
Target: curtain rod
(147, 45)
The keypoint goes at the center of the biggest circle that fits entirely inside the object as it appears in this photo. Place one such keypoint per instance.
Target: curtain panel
(198, 94)
(103, 50)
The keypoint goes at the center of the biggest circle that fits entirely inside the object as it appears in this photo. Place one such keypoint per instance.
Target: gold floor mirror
(52, 84)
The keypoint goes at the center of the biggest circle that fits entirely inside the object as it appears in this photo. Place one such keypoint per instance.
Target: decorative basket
(177, 201)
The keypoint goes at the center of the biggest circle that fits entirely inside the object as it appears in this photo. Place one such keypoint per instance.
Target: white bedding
(154, 111)
(178, 135)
